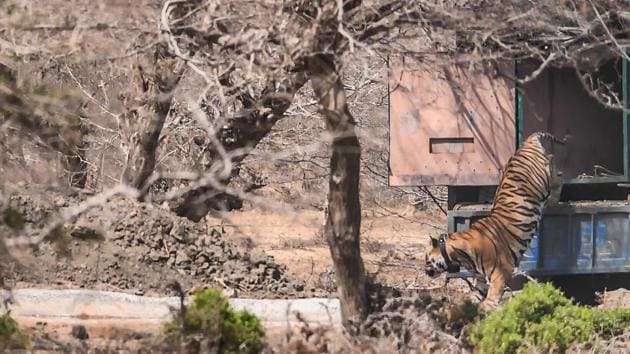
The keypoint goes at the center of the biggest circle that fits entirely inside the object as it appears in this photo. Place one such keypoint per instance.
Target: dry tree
(246, 60)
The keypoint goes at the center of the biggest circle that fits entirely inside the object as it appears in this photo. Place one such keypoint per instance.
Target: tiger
(493, 246)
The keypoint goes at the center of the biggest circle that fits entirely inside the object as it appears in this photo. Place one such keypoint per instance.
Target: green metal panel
(612, 179)
(624, 89)
(520, 116)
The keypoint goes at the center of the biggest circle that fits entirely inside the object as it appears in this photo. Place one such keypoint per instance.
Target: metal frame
(624, 88)
(520, 109)
(625, 77)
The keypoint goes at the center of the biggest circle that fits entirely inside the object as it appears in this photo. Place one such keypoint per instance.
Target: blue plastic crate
(612, 246)
(530, 257)
(576, 238)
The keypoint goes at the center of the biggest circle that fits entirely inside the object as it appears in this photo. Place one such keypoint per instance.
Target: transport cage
(573, 238)
(458, 128)
(557, 102)
(450, 126)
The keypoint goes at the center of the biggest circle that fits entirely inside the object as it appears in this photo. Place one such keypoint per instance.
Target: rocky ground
(134, 247)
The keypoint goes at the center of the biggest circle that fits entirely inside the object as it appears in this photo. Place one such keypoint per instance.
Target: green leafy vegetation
(11, 337)
(13, 219)
(542, 318)
(211, 315)
(455, 317)
(60, 238)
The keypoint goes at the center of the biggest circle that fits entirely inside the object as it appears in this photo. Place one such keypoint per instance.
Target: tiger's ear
(434, 242)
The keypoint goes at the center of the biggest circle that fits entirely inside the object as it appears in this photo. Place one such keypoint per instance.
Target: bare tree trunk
(241, 132)
(157, 86)
(137, 173)
(343, 221)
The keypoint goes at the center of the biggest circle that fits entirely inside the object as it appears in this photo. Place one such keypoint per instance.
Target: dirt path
(392, 245)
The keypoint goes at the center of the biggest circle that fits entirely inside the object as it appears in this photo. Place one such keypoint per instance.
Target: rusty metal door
(448, 125)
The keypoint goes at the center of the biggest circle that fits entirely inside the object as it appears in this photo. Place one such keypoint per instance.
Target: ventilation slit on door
(451, 145)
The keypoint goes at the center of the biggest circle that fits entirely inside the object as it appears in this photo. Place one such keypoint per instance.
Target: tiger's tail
(549, 136)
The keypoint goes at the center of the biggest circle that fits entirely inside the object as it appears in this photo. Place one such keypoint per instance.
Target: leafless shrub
(324, 280)
(373, 246)
(319, 239)
(616, 344)
(295, 243)
(404, 325)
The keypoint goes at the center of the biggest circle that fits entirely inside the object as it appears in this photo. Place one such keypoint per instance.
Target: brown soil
(393, 243)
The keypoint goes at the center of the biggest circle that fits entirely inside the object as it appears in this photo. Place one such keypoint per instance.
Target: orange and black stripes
(494, 245)
(521, 196)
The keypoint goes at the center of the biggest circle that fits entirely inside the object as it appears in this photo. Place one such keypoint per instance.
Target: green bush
(11, 337)
(541, 317)
(455, 317)
(211, 315)
(13, 219)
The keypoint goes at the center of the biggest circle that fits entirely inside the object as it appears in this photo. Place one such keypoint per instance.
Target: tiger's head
(437, 258)
(435, 262)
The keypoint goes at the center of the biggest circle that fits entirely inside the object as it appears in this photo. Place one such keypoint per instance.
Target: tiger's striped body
(494, 245)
